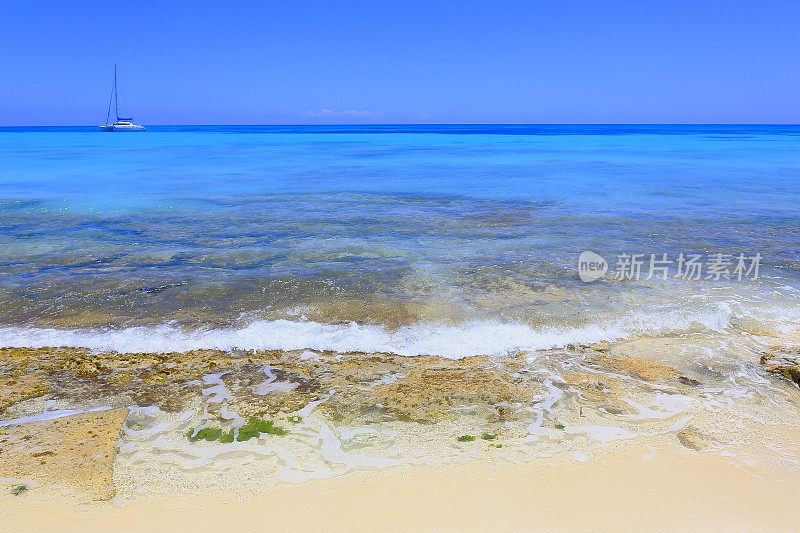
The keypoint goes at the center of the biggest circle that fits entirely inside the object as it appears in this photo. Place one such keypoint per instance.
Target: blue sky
(303, 62)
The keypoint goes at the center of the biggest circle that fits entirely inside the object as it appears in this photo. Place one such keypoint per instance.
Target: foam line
(454, 341)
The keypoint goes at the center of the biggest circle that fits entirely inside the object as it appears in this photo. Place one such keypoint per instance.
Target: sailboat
(122, 123)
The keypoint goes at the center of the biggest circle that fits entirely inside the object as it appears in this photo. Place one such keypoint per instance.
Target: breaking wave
(489, 337)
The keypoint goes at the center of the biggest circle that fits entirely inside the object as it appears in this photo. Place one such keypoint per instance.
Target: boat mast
(116, 96)
(111, 97)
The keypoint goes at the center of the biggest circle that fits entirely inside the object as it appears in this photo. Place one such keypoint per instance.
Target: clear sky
(427, 61)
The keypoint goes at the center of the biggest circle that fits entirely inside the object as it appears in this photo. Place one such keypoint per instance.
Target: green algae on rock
(254, 427)
(210, 434)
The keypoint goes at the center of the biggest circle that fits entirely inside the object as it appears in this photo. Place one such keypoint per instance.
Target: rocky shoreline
(70, 417)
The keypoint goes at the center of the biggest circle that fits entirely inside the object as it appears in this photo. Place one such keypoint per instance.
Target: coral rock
(75, 451)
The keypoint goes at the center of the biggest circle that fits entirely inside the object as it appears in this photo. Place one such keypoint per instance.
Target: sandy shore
(585, 438)
(627, 488)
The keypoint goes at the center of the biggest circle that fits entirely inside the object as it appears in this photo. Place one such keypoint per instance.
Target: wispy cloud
(346, 113)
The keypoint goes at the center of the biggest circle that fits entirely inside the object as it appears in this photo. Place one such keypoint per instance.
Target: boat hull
(122, 127)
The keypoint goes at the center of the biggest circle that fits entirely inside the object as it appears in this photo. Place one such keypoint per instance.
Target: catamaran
(122, 123)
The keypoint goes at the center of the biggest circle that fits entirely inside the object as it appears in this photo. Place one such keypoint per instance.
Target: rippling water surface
(450, 240)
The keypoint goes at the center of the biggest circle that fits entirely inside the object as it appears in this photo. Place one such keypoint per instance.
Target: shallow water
(414, 240)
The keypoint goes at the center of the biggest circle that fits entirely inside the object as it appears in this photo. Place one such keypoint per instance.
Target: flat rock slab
(643, 369)
(76, 452)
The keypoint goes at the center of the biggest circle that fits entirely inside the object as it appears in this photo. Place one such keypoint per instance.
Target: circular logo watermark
(591, 266)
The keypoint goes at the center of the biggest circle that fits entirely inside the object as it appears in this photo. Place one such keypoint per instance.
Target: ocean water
(445, 240)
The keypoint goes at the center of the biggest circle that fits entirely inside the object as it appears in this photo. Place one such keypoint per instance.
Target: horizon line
(352, 124)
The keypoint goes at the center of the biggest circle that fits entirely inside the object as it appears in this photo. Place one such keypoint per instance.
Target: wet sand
(623, 488)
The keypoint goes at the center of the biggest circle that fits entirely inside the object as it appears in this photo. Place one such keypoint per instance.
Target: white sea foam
(50, 415)
(455, 341)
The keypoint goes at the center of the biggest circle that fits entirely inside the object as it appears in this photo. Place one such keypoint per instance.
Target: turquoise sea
(451, 240)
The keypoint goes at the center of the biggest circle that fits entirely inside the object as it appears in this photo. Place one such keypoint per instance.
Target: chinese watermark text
(689, 267)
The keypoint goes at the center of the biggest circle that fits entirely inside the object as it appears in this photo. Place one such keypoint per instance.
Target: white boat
(122, 123)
